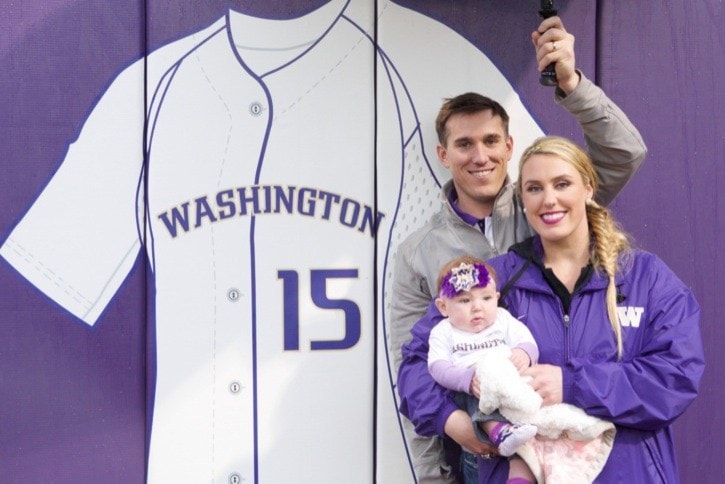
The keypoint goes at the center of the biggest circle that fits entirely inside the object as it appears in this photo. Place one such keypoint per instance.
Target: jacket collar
(502, 199)
(532, 249)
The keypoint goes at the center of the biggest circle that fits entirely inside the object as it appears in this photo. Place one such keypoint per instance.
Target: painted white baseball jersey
(249, 183)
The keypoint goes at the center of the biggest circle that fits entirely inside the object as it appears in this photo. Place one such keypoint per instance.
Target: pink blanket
(565, 460)
(570, 446)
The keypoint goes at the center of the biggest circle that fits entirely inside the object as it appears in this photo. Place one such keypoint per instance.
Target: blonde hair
(610, 245)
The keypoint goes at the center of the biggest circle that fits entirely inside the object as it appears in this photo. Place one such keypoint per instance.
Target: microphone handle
(548, 75)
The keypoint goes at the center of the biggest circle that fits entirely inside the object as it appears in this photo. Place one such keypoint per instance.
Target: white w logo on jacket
(630, 316)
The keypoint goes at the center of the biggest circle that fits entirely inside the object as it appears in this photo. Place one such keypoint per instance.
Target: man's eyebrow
(488, 136)
(462, 138)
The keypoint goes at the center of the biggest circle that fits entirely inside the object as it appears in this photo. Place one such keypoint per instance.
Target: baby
(474, 324)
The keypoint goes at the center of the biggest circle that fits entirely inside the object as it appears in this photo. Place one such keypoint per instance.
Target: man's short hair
(468, 103)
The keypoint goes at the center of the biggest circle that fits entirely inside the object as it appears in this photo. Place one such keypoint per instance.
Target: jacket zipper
(567, 320)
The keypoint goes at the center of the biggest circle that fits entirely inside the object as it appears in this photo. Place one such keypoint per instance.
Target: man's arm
(410, 300)
(614, 144)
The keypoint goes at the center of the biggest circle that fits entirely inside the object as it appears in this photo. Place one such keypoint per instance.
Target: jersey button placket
(235, 387)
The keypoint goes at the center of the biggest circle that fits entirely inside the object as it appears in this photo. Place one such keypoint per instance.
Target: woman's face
(554, 196)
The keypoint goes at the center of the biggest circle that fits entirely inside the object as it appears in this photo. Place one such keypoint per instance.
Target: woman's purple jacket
(642, 394)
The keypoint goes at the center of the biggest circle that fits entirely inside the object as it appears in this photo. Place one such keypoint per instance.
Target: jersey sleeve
(79, 239)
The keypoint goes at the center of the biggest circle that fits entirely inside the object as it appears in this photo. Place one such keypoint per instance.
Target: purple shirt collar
(468, 218)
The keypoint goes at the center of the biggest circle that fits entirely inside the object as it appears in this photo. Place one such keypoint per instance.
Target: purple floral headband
(464, 277)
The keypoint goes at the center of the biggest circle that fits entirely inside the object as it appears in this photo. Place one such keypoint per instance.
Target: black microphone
(548, 75)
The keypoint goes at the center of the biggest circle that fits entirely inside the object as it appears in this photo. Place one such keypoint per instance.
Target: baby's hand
(520, 359)
(475, 389)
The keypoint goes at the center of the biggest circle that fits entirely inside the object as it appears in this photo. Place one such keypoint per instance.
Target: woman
(618, 332)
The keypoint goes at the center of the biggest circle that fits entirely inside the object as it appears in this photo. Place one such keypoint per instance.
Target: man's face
(476, 153)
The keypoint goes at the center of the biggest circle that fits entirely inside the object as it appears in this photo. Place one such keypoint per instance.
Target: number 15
(318, 294)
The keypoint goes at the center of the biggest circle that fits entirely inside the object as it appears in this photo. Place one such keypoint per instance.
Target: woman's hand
(547, 381)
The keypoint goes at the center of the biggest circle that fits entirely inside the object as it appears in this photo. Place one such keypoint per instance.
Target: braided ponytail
(609, 242)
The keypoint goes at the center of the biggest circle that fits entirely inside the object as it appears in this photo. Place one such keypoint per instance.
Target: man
(482, 217)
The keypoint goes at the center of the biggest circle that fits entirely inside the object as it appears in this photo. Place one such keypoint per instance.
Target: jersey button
(235, 387)
(233, 294)
(255, 109)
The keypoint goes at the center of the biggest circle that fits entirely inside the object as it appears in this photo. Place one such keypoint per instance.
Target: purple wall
(661, 61)
(74, 399)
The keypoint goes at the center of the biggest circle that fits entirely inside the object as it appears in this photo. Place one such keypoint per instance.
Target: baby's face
(473, 310)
